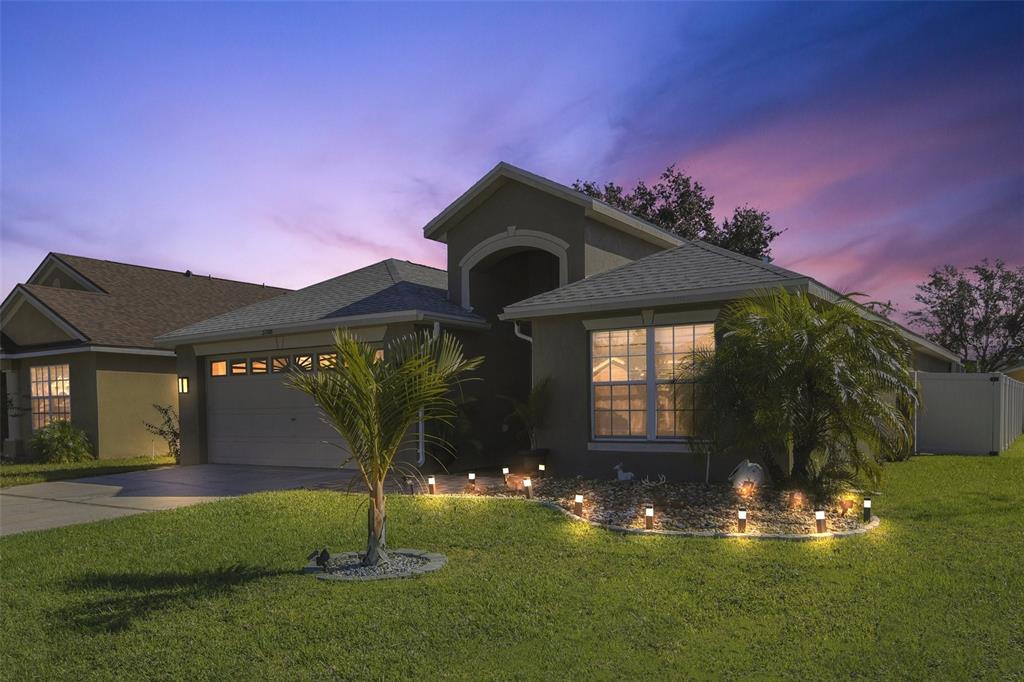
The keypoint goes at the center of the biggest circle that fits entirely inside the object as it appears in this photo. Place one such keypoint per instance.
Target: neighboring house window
(258, 366)
(632, 371)
(219, 368)
(304, 362)
(50, 392)
(279, 364)
(239, 367)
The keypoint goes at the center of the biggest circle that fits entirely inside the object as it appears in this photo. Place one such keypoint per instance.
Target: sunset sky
(288, 143)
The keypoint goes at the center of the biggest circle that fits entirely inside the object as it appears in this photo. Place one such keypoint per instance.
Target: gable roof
(132, 304)
(693, 270)
(391, 290)
(593, 208)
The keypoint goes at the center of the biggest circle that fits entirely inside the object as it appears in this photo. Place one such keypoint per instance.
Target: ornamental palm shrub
(373, 405)
(62, 442)
(813, 383)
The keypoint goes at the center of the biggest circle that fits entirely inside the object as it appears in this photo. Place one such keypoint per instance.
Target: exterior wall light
(649, 516)
(819, 520)
(867, 510)
(578, 507)
(528, 487)
(472, 480)
(182, 384)
(741, 520)
(431, 485)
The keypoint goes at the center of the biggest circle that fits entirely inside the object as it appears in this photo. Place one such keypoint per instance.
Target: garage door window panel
(219, 368)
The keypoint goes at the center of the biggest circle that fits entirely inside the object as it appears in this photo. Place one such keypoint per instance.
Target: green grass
(22, 474)
(211, 592)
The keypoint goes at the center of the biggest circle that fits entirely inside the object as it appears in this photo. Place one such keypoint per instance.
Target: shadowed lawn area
(212, 592)
(22, 474)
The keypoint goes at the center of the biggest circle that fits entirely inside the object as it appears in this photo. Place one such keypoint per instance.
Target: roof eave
(597, 210)
(172, 340)
(611, 304)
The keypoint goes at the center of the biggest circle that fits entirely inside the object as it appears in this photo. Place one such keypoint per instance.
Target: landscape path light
(504, 474)
(867, 510)
(528, 487)
(431, 485)
(541, 468)
(578, 507)
(649, 516)
(741, 520)
(472, 480)
(819, 520)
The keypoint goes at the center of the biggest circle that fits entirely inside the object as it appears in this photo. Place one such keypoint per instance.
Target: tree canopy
(977, 312)
(681, 205)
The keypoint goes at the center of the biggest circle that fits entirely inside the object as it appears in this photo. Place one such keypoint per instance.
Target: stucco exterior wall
(930, 363)
(606, 248)
(125, 399)
(83, 397)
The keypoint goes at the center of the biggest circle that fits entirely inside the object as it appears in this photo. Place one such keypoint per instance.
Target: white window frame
(40, 418)
(651, 380)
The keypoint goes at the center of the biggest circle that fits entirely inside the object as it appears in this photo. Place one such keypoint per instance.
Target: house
(1015, 372)
(543, 282)
(77, 343)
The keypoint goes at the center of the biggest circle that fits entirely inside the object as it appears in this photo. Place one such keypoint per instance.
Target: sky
(288, 143)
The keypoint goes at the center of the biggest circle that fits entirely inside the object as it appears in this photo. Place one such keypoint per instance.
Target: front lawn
(22, 474)
(212, 592)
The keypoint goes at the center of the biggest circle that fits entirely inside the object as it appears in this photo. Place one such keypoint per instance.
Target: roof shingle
(139, 303)
(690, 267)
(385, 287)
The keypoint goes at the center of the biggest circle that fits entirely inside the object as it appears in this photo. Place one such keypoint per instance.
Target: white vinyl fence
(971, 414)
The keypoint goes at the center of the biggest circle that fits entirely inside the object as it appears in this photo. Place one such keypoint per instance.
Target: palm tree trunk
(376, 532)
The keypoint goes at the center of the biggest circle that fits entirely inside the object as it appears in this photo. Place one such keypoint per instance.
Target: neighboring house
(1015, 372)
(543, 282)
(76, 342)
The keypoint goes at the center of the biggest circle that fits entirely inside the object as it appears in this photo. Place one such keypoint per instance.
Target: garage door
(256, 419)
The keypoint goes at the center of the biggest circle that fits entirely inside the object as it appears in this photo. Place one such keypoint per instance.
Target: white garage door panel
(257, 420)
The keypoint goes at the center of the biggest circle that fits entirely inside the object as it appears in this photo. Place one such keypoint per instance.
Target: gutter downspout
(421, 449)
(519, 332)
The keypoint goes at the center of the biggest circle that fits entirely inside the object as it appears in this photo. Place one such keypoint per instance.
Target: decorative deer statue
(623, 475)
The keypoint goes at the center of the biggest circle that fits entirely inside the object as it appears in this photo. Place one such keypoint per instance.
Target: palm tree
(818, 383)
(374, 404)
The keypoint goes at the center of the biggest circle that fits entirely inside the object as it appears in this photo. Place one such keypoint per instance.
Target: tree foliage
(977, 313)
(681, 205)
(810, 383)
(374, 405)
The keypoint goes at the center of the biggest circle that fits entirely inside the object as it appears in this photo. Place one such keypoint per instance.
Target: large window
(635, 377)
(50, 392)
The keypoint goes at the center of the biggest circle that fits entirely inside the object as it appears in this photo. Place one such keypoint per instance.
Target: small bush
(169, 429)
(61, 442)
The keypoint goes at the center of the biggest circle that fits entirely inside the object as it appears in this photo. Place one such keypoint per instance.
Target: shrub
(60, 442)
(169, 429)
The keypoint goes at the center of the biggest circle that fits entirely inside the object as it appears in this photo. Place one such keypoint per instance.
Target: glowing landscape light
(867, 510)
(431, 485)
(649, 516)
(528, 487)
(578, 507)
(819, 520)
(741, 520)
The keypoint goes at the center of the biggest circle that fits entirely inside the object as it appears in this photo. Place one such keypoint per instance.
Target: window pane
(704, 337)
(620, 397)
(49, 394)
(603, 423)
(304, 362)
(638, 423)
(599, 344)
(619, 342)
(239, 367)
(637, 367)
(666, 424)
(602, 397)
(620, 422)
(259, 366)
(219, 368)
(328, 360)
(684, 423)
(280, 364)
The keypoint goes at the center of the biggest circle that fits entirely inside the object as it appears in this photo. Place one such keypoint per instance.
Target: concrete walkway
(63, 503)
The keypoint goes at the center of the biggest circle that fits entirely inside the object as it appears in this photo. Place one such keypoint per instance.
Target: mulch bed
(693, 507)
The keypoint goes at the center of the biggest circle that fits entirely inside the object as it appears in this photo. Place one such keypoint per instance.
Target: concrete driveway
(63, 503)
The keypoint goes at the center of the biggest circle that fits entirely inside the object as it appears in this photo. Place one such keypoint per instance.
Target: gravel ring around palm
(402, 563)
